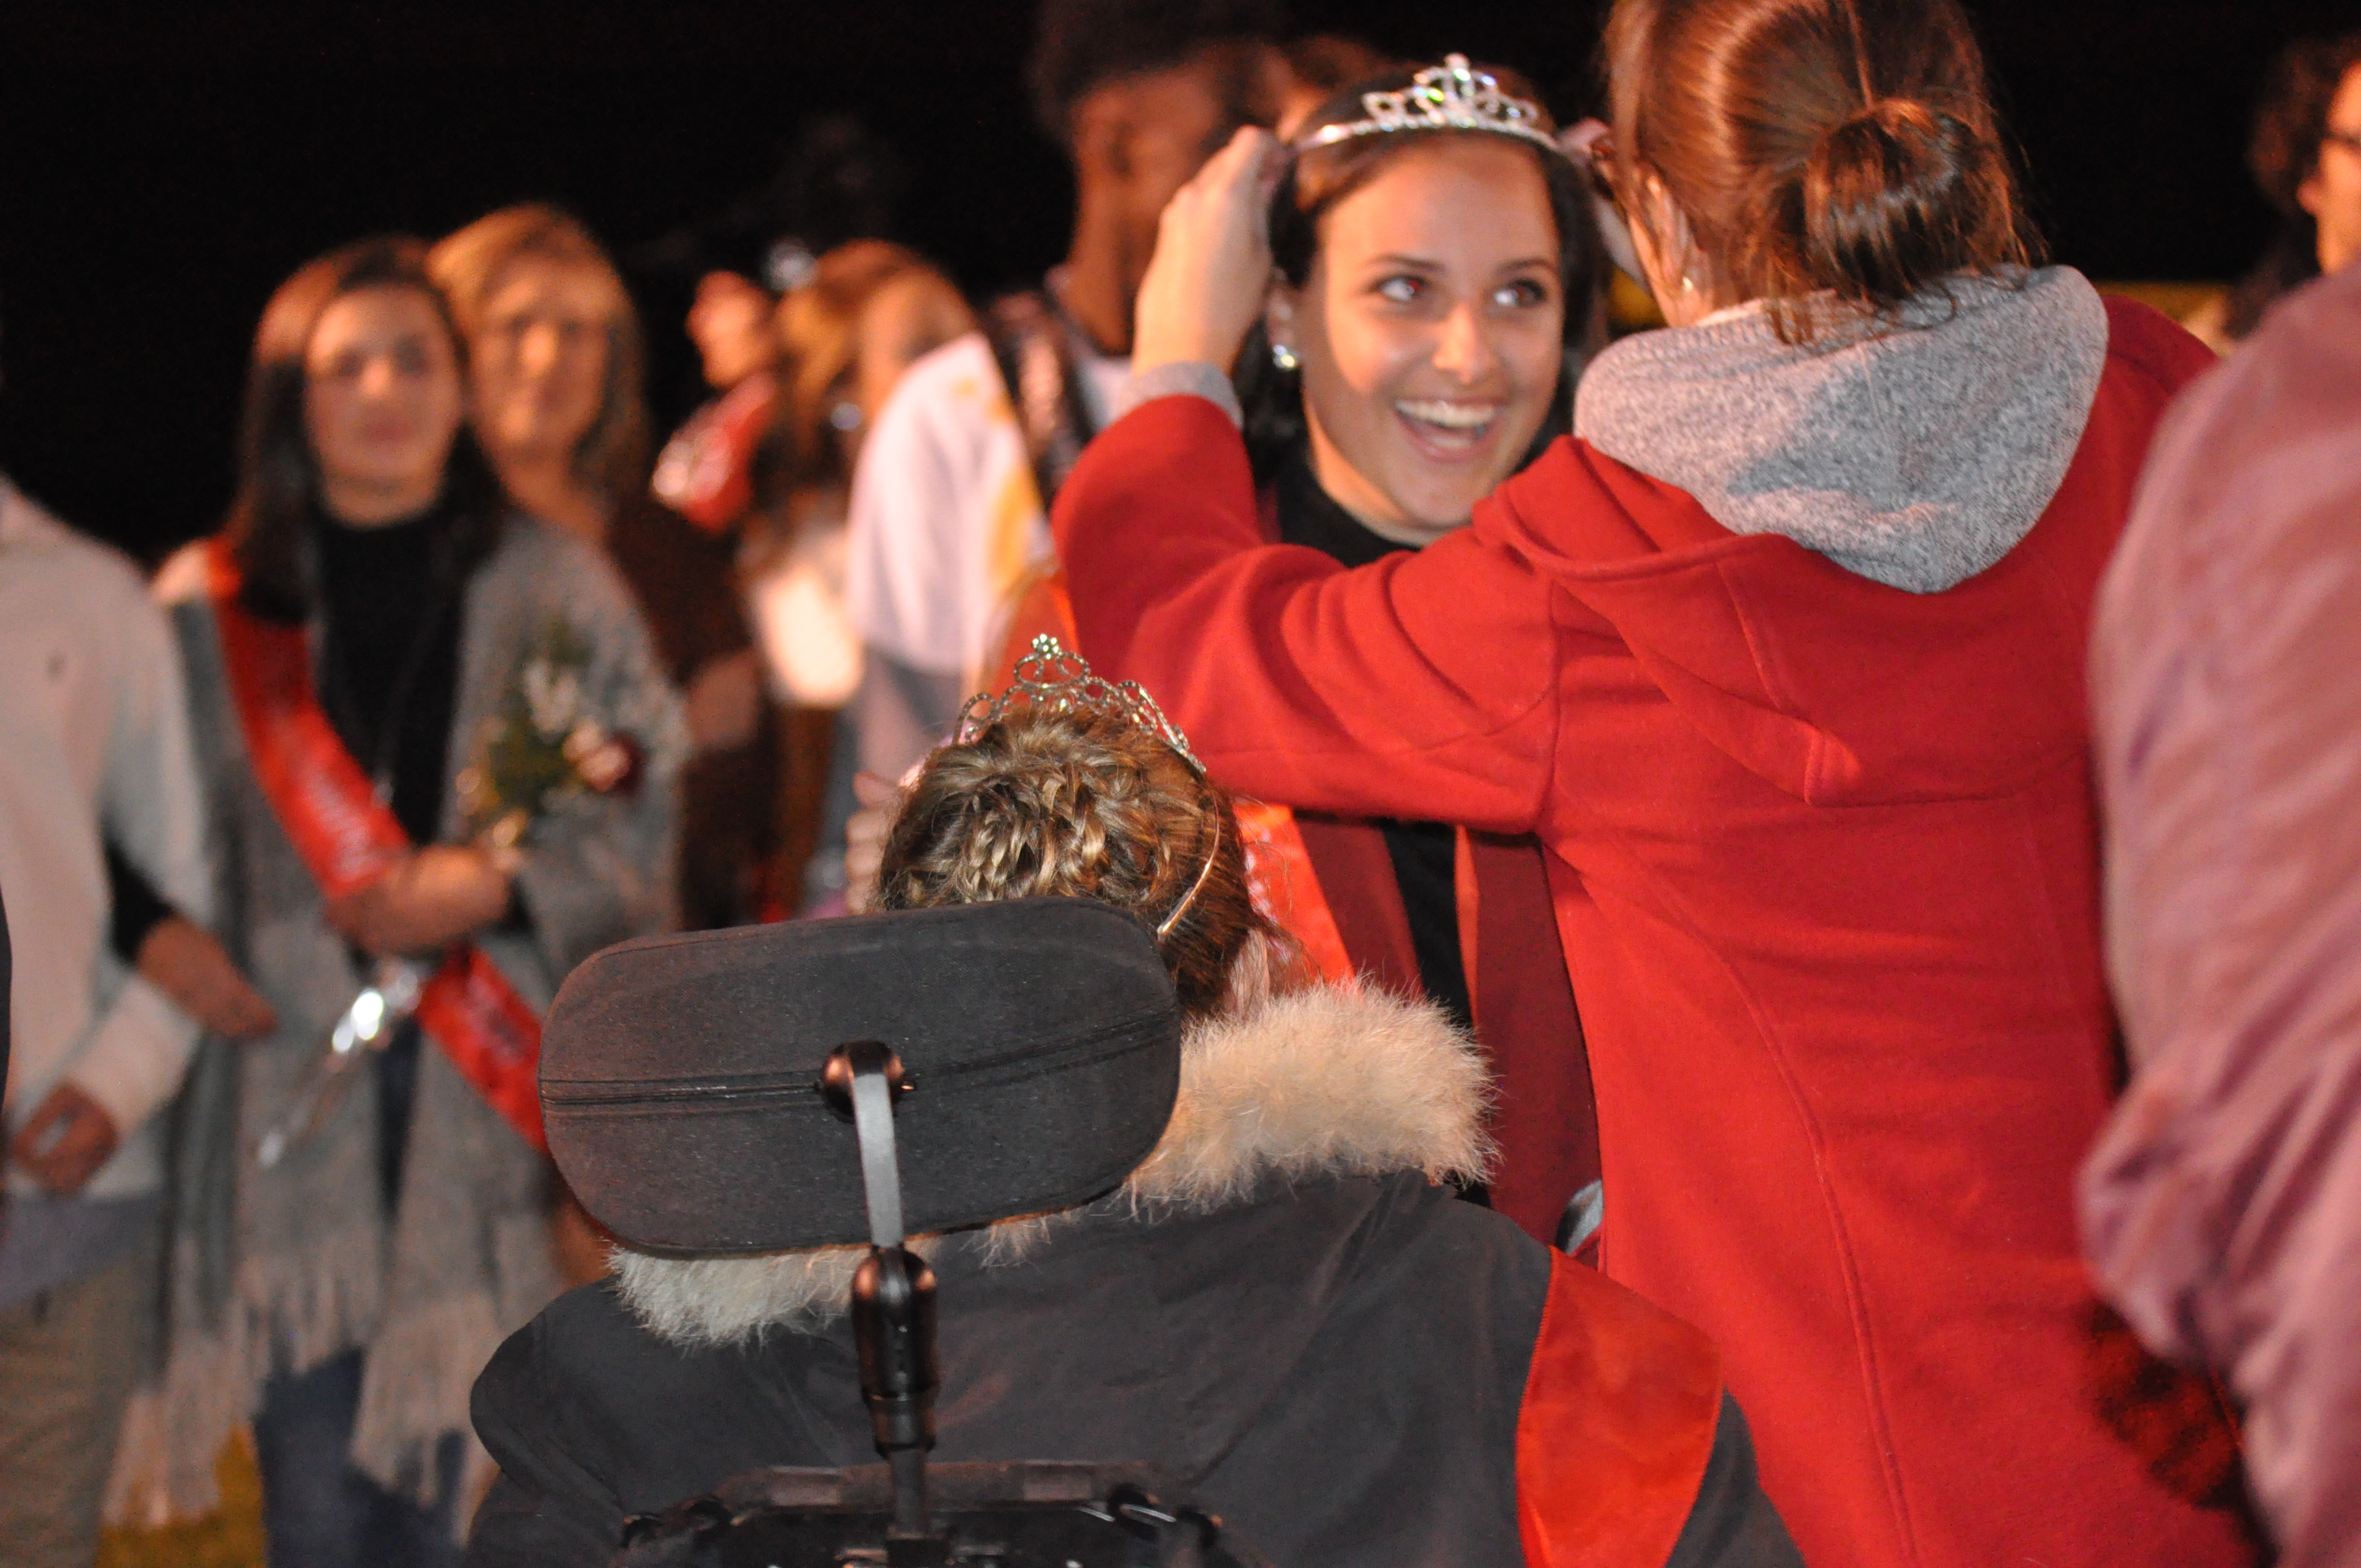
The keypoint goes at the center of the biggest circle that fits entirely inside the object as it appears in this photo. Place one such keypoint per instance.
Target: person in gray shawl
(354, 1230)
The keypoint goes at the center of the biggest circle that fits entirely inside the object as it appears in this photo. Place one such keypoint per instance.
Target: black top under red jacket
(1348, 1368)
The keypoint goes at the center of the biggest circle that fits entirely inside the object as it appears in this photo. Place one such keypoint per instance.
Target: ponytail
(1820, 148)
(1894, 199)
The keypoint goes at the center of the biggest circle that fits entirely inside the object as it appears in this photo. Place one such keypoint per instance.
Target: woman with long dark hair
(1455, 273)
(441, 764)
(1780, 658)
(1453, 270)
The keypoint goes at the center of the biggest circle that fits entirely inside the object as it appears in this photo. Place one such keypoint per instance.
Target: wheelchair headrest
(679, 1075)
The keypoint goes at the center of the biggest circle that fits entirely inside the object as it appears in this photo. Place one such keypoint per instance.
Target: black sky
(162, 167)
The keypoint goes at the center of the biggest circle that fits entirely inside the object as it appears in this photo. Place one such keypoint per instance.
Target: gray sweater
(278, 1269)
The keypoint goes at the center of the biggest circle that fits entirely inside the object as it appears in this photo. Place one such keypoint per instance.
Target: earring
(1283, 357)
(1689, 284)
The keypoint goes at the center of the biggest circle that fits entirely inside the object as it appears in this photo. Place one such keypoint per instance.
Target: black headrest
(680, 1074)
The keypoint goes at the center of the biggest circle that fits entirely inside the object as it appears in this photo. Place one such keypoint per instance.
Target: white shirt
(945, 519)
(809, 643)
(93, 744)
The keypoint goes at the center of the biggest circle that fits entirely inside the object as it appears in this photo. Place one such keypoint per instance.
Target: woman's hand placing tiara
(1205, 285)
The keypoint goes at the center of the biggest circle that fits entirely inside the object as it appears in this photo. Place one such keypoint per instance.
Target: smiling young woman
(357, 639)
(1433, 294)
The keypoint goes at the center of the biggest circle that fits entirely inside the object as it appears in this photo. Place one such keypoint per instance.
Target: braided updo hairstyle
(1087, 805)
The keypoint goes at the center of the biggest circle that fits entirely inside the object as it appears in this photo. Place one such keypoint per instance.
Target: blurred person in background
(833, 181)
(95, 762)
(440, 760)
(558, 402)
(867, 312)
(707, 471)
(2306, 158)
(1319, 67)
(949, 507)
(2222, 1207)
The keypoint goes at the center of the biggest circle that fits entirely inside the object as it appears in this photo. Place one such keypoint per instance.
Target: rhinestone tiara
(1051, 680)
(1453, 96)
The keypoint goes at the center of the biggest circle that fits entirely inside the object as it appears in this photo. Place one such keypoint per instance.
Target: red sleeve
(1419, 686)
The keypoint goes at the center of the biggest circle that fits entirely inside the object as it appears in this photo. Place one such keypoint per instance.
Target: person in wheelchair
(1286, 1308)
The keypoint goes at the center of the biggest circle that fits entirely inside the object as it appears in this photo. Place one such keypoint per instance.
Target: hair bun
(1887, 194)
(1079, 804)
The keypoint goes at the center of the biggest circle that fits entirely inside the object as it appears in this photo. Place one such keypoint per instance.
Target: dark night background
(162, 168)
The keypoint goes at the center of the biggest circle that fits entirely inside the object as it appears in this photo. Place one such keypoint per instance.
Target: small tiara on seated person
(1051, 680)
(1453, 96)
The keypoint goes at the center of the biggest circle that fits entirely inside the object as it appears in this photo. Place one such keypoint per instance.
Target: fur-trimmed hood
(1328, 1081)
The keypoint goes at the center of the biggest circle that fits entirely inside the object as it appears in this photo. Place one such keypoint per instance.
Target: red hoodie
(1824, 864)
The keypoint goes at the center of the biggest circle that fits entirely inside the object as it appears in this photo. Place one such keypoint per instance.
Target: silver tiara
(1453, 96)
(1050, 680)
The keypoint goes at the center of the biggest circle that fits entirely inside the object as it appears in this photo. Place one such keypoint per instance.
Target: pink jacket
(2223, 1205)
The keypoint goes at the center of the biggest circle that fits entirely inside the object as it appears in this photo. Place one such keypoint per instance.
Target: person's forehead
(1470, 193)
(387, 313)
(2344, 108)
(543, 285)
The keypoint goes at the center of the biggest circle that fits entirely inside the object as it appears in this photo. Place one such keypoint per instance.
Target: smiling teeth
(1450, 416)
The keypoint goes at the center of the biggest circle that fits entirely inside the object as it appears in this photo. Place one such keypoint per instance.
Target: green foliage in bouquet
(528, 767)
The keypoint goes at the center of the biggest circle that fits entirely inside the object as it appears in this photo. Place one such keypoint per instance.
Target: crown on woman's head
(1453, 96)
(1051, 680)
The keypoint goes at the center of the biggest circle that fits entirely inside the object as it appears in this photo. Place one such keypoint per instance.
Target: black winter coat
(1335, 1365)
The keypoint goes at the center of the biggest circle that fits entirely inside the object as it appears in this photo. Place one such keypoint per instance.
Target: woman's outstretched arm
(1421, 686)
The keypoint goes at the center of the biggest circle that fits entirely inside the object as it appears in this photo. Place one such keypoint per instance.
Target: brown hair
(2291, 120)
(612, 457)
(1081, 805)
(819, 328)
(279, 474)
(1317, 181)
(2290, 123)
(1840, 146)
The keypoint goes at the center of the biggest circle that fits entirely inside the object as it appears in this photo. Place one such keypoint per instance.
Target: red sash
(1615, 1428)
(1287, 889)
(348, 838)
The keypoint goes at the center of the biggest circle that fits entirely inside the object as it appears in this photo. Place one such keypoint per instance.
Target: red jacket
(1824, 864)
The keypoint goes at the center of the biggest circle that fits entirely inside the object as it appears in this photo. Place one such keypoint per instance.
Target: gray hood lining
(1916, 450)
